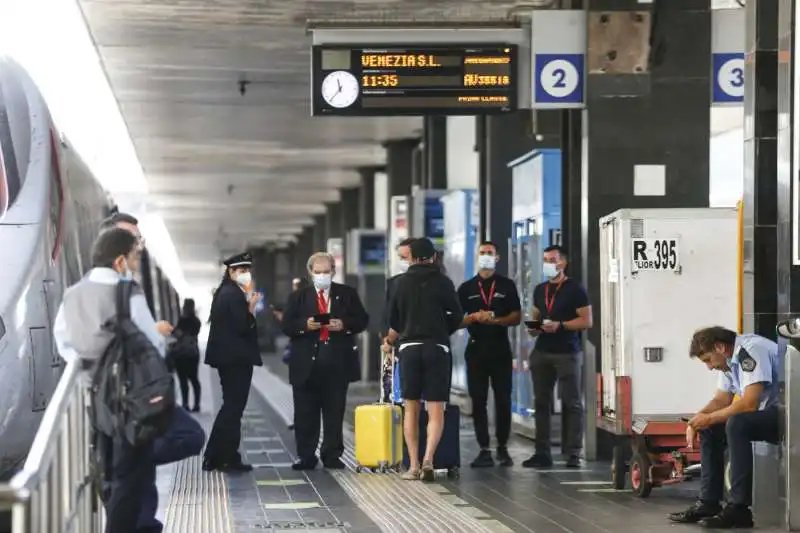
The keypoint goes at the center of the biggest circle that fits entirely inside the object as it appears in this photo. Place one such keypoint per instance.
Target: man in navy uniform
(322, 322)
(491, 303)
(751, 367)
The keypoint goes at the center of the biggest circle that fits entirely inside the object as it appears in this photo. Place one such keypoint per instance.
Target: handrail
(53, 493)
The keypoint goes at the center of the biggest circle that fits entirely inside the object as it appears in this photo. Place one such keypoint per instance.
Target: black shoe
(538, 460)
(503, 458)
(697, 512)
(484, 460)
(210, 465)
(573, 461)
(291, 427)
(196, 409)
(731, 517)
(333, 464)
(237, 468)
(305, 464)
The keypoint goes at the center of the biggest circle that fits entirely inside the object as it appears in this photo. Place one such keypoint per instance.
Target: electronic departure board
(468, 79)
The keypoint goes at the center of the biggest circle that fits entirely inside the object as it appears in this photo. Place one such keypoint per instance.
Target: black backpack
(133, 394)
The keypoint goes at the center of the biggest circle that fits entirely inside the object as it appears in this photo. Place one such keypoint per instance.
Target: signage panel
(727, 56)
(451, 79)
(559, 57)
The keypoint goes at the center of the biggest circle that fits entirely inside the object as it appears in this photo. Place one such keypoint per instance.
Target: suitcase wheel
(359, 468)
(384, 469)
(453, 473)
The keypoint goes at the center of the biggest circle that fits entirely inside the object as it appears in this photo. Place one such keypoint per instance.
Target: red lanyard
(487, 300)
(549, 302)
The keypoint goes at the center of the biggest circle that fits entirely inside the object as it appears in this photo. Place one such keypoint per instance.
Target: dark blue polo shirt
(565, 300)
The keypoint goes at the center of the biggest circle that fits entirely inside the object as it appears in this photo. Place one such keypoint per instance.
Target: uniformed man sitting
(749, 366)
(491, 304)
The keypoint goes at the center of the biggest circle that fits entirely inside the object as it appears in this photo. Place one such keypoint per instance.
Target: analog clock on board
(340, 89)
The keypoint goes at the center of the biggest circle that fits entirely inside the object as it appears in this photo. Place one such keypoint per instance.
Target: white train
(50, 210)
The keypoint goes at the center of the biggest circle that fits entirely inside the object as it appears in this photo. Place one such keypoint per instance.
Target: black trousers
(325, 392)
(129, 472)
(547, 369)
(489, 362)
(187, 373)
(737, 434)
(226, 434)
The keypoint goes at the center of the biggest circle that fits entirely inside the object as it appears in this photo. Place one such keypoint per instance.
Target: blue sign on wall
(559, 80)
(728, 78)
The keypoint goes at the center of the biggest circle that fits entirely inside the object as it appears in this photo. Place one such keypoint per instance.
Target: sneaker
(411, 475)
(333, 464)
(428, 475)
(538, 460)
(731, 517)
(573, 461)
(484, 460)
(503, 458)
(697, 512)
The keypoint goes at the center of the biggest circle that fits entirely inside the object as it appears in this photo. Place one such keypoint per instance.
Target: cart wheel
(359, 468)
(639, 470)
(619, 467)
(453, 473)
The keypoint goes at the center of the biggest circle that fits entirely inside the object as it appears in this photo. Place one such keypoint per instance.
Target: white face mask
(403, 265)
(487, 262)
(550, 270)
(322, 281)
(244, 279)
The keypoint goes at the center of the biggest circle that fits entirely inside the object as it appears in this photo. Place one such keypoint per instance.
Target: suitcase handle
(391, 374)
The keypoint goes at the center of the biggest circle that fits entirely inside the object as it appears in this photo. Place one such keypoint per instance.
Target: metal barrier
(53, 493)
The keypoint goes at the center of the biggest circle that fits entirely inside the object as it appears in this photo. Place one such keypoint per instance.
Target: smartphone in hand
(533, 324)
(322, 318)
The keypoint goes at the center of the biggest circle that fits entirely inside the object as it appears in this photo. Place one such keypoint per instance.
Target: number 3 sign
(728, 86)
(558, 81)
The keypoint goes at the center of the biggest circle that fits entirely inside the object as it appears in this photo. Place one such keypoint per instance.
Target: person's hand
(700, 421)
(335, 325)
(386, 346)
(164, 327)
(312, 325)
(691, 437)
(550, 327)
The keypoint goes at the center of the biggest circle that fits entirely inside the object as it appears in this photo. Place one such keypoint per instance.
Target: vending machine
(460, 245)
(366, 264)
(536, 216)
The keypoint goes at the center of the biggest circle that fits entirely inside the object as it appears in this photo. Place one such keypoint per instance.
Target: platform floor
(275, 498)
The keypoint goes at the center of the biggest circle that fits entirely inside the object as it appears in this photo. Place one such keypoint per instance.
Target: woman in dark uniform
(187, 354)
(233, 350)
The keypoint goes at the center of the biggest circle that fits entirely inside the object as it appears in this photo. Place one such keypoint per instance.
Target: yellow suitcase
(379, 435)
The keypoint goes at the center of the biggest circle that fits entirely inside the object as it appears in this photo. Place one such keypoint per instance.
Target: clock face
(340, 89)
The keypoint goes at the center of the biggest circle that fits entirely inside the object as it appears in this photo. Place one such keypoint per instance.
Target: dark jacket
(233, 337)
(189, 325)
(344, 305)
(425, 306)
(387, 305)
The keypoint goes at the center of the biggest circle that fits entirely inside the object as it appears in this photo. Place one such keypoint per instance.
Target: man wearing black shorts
(422, 315)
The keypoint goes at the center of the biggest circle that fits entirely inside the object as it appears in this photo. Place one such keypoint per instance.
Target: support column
(283, 273)
(319, 235)
(435, 136)
(350, 204)
(303, 249)
(659, 117)
(333, 221)
(761, 270)
(263, 277)
(507, 137)
(366, 197)
(399, 160)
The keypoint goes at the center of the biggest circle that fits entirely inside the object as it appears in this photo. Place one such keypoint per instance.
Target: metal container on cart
(664, 273)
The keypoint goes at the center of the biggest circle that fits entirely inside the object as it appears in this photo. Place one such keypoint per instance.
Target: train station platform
(274, 498)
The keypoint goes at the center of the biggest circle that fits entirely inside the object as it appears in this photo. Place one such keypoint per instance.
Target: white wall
(462, 159)
(726, 157)
(381, 200)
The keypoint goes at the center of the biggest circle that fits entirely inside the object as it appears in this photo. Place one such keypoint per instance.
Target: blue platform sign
(728, 78)
(558, 79)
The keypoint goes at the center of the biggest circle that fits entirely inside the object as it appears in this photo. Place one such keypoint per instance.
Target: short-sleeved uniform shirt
(559, 302)
(755, 360)
(499, 295)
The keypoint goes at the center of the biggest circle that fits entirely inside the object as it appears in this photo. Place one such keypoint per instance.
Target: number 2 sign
(728, 82)
(558, 80)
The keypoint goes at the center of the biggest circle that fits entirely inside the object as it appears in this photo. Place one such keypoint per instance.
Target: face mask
(244, 278)
(126, 274)
(487, 262)
(403, 265)
(322, 281)
(550, 270)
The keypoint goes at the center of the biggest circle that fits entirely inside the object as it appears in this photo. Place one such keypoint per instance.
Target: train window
(56, 198)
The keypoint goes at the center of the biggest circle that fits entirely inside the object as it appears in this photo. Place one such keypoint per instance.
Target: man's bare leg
(434, 435)
(411, 432)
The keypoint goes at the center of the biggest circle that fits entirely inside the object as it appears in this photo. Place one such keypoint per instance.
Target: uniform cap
(239, 260)
(422, 249)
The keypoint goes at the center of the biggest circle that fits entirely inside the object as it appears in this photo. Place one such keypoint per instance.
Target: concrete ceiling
(225, 170)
